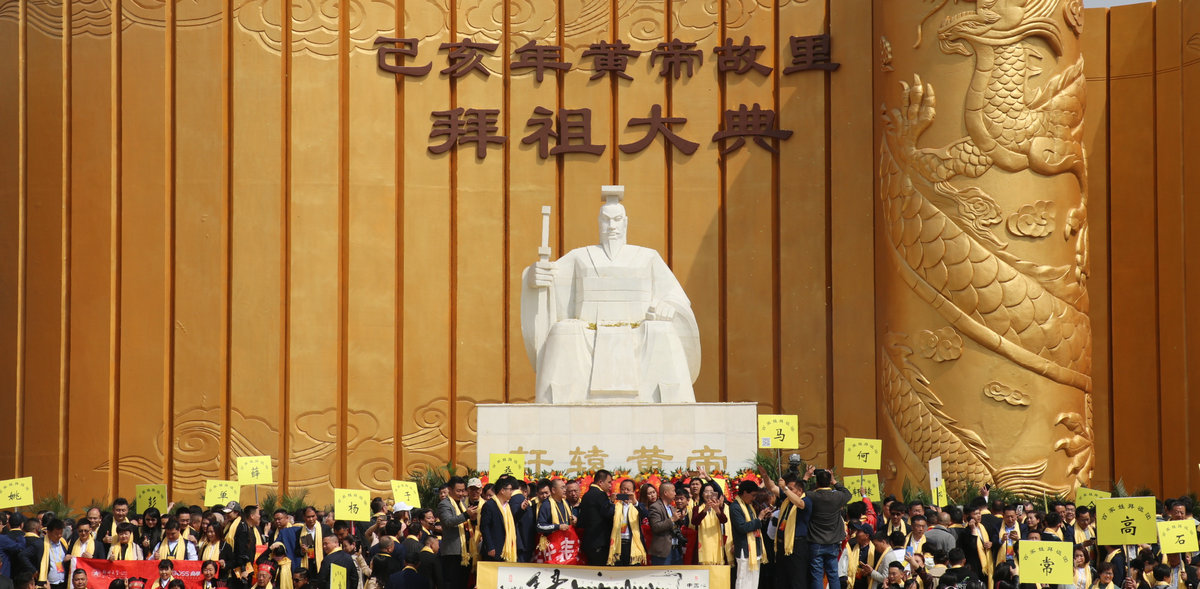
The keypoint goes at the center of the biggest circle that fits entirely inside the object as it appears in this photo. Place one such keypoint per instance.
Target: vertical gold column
(982, 250)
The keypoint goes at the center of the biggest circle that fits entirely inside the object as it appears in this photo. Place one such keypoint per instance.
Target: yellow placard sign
(16, 492)
(255, 470)
(780, 432)
(506, 464)
(1088, 497)
(862, 453)
(221, 492)
(352, 504)
(1178, 536)
(1046, 562)
(940, 497)
(151, 496)
(337, 576)
(406, 491)
(1124, 520)
(866, 484)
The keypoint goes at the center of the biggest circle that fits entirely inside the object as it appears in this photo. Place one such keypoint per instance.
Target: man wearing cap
(334, 555)
(456, 518)
(861, 556)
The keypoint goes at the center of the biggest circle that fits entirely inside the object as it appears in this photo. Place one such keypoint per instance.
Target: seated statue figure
(609, 323)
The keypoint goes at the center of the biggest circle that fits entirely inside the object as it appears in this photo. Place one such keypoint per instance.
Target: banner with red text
(101, 572)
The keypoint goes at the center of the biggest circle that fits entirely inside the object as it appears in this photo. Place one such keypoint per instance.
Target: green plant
(770, 463)
(429, 480)
(1118, 489)
(914, 494)
(56, 504)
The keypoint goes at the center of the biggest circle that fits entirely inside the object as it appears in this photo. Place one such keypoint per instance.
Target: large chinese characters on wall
(985, 342)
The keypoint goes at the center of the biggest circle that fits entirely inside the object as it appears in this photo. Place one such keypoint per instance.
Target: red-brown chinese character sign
(540, 58)
(402, 47)
(677, 57)
(574, 134)
(813, 52)
(465, 57)
(658, 126)
(461, 126)
(740, 59)
(753, 122)
(610, 58)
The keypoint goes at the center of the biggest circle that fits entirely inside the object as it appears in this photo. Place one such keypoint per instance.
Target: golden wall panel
(92, 347)
(478, 231)
(1172, 362)
(853, 349)
(643, 27)
(1131, 170)
(427, 304)
(585, 23)
(695, 185)
(145, 234)
(371, 274)
(1095, 50)
(10, 236)
(276, 254)
(258, 259)
(201, 228)
(315, 403)
(803, 214)
(45, 397)
(1189, 17)
(751, 366)
(533, 182)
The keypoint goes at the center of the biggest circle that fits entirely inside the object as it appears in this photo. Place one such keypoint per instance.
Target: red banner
(562, 547)
(101, 572)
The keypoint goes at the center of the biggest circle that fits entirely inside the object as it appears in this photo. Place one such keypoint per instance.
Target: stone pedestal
(568, 438)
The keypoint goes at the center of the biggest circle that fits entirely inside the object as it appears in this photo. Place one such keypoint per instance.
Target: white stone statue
(608, 323)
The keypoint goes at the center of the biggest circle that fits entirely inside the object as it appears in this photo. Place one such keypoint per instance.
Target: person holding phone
(625, 546)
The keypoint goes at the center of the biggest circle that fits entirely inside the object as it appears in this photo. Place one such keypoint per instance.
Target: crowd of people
(800, 531)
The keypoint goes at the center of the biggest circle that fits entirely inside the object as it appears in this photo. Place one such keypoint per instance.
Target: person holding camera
(791, 544)
(666, 540)
(749, 550)
(826, 529)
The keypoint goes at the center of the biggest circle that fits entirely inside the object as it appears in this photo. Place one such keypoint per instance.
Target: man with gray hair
(664, 546)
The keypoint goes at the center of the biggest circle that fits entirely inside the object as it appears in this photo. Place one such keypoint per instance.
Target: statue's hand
(543, 274)
(664, 311)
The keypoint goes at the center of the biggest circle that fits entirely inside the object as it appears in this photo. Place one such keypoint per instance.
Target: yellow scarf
(1097, 585)
(284, 566)
(984, 562)
(463, 534)
(476, 535)
(789, 516)
(210, 551)
(1087, 576)
(44, 567)
(130, 552)
(853, 561)
(908, 545)
(555, 518)
(113, 533)
(902, 528)
(231, 531)
(78, 549)
(509, 552)
(1112, 555)
(712, 550)
(165, 553)
(751, 538)
(637, 553)
(317, 540)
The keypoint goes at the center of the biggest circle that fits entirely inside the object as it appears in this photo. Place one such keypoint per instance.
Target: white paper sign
(935, 472)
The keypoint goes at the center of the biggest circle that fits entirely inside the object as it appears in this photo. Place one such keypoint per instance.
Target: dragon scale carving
(947, 252)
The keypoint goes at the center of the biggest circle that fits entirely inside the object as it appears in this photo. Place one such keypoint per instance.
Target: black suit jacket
(431, 568)
(408, 578)
(341, 559)
(491, 531)
(595, 519)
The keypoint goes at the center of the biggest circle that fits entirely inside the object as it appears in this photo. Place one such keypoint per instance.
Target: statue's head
(613, 220)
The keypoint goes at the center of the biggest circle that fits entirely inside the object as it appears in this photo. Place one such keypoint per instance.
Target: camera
(794, 464)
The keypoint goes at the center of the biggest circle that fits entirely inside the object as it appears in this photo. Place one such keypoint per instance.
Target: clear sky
(1098, 3)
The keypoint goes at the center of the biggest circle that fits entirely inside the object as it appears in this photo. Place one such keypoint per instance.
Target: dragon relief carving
(917, 412)
(1035, 315)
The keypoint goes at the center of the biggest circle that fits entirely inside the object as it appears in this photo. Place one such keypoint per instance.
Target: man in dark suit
(335, 556)
(1006, 535)
(491, 522)
(595, 519)
(664, 546)
(428, 563)
(408, 578)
